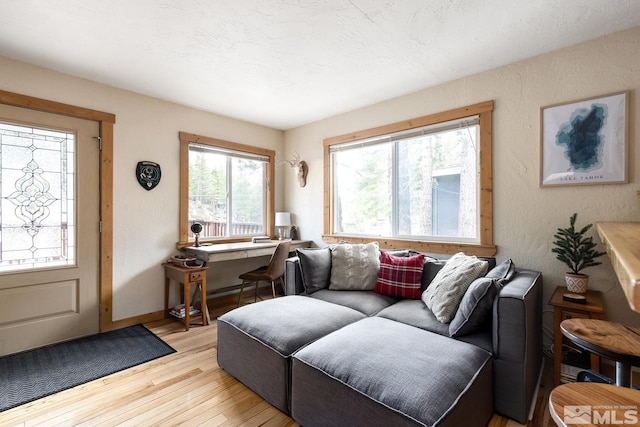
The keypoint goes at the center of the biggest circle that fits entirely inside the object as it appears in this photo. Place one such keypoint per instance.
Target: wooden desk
(562, 310)
(622, 243)
(593, 404)
(612, 340)
(230, 251)
(186, 277)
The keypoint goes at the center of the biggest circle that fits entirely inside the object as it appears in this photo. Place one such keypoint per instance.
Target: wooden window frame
(485, 247)
(187, 138)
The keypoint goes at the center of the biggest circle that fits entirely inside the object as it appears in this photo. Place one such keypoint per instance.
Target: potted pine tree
(578, 252)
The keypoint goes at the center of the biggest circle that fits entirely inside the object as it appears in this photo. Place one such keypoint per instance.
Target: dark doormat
(37, 373)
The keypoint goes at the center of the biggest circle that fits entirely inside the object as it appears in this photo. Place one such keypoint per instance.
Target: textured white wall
(525, 215)
(145, 222)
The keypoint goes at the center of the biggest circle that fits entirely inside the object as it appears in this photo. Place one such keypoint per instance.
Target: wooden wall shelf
(622, 242)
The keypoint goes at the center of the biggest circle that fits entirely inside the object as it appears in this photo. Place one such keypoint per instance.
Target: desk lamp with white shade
(283, 223)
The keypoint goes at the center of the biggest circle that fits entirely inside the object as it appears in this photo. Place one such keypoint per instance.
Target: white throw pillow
(445, 292)
(354, 267)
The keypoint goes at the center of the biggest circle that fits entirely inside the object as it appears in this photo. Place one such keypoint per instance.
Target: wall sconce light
(283, 223)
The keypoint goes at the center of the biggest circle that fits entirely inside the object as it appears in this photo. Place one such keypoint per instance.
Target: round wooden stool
(607, 339)
(594, 404)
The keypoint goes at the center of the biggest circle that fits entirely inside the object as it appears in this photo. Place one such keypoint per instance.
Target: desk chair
(268, 273)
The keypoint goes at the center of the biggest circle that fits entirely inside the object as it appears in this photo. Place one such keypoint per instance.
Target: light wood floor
(184, 388)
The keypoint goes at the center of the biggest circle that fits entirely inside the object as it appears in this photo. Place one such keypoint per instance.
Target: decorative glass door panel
(37, 168)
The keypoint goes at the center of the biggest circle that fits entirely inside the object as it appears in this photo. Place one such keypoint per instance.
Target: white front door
(49, 228)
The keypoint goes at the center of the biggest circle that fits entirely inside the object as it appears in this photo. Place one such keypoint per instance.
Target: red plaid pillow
(400, 277)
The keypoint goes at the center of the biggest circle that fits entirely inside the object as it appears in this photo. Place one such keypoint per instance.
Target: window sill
(433, 247)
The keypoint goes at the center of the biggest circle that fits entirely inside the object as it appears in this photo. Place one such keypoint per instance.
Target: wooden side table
(594, 404)
(562, 310)
(187, 277)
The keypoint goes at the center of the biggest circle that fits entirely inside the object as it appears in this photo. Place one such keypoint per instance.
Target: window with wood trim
(226, 187)
(423, 184)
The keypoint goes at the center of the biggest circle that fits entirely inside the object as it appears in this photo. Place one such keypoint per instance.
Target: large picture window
(226, 188)
(424, 184)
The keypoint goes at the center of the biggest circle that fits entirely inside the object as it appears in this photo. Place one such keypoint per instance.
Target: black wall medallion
(148, 174)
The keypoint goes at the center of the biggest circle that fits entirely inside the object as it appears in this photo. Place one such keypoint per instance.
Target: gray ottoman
(256, 341)
(378, 372)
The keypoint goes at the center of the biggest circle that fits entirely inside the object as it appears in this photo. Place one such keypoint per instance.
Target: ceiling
(284, 63)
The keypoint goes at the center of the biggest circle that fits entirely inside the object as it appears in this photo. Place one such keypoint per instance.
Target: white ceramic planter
(576, 283)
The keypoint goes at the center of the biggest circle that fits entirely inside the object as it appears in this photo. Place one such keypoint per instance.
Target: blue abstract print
(582, 138)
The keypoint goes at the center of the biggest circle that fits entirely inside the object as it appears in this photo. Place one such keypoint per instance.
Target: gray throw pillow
(446, 290)
(475, 308)
(315, 265)
(503, 272)
(491, 260)
(431, 267)
(354, 267)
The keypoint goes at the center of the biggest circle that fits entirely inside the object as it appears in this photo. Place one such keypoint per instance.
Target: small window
(226, 189)
(420, 184)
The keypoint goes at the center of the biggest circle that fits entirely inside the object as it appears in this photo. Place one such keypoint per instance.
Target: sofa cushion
(400, 277)
(354, 267)
(366, 302)
(256, 341)
(475, 308)
(414, 313)
(300, 320)
(315, 265)
(354, 376)
(503, 272)
(450, 284)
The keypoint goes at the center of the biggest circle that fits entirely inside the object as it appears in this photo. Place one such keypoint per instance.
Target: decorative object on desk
(185, 261)
(195, 264)
(196, 229)
(577, 252)
(301, 166)
(148, 174)
(283, 222)
(260, 239)
(585, 141)
(293, 233)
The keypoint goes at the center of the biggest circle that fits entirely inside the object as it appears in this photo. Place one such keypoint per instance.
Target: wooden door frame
(106, 122)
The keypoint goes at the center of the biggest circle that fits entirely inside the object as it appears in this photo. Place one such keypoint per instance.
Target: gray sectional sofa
(357, 357)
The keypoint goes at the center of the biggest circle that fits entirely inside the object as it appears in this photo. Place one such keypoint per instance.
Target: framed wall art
(584, 142)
